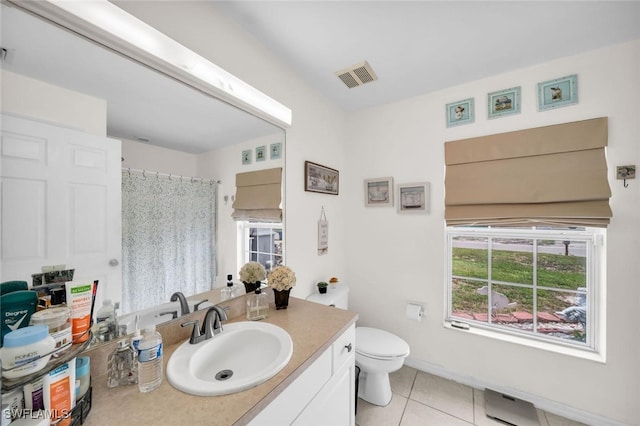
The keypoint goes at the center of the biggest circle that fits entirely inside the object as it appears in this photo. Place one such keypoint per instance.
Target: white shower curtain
(168, 238)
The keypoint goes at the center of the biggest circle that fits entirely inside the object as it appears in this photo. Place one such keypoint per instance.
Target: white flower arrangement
(252, 272)
(282, 278)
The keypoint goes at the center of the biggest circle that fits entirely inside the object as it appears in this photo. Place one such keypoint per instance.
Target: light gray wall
(395, 258)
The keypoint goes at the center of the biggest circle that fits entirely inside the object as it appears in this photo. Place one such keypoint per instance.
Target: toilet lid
(380, 343)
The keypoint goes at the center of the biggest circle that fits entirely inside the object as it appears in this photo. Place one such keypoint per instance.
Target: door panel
(60, 194)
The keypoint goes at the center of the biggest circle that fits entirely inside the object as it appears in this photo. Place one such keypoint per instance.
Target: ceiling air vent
(357, 75)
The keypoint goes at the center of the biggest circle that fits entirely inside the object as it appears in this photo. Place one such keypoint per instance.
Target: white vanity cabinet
(324, 394)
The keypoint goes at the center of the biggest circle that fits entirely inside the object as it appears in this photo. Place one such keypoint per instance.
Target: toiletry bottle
(121, 365)
(236, 290)
(257, 305)
(150, 360)
(227, 292)
(107, 315)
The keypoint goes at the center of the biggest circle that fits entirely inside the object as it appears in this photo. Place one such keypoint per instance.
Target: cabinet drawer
(344, 348)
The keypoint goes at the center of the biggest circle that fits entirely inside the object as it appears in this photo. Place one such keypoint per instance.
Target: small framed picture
(261, 153)
(246, 156)
(275, 151)
(460, 112)
(322, 179)
(504, 102)
(378, 192)
(413, 197)
(558, 93)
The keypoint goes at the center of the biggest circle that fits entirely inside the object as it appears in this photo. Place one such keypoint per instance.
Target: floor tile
(444, 395)
(402, 380)
(373, 415)
(417, 414)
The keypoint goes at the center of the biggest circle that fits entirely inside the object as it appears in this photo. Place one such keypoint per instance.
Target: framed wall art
(318, 178)
(246, 156)
(261, 153)
(460, 112)
(558, 93)
(413, 197)
(275, 151)
(378, 192)
(504, 102)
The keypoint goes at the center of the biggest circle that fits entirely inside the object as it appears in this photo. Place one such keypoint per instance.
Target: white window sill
(586, 353)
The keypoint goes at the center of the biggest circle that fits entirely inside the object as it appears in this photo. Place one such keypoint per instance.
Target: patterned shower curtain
(168, 238)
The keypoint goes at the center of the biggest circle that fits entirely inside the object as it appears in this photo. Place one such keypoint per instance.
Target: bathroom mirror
(199, 122)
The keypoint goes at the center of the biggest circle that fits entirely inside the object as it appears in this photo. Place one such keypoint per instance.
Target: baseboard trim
(543, 404)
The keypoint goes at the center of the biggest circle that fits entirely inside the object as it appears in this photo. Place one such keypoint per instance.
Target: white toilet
(378, 352)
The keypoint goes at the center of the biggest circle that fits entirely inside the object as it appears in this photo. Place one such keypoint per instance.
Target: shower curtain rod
(149, 173)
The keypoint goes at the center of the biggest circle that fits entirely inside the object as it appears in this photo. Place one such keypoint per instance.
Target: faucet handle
(197, 305)
(196, 336)
(174, 314)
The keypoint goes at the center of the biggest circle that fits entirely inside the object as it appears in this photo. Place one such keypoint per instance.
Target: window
(540, 283)
(260, 242)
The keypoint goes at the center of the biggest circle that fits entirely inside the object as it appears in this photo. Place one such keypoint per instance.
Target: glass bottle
(122, 366)
(257, 305)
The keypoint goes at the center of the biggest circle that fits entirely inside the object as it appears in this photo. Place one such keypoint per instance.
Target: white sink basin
(242, 356)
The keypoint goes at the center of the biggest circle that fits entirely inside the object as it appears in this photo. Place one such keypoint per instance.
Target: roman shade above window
(553, 175)
(258, 196)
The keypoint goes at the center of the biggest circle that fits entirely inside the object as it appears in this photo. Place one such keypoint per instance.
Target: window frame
(593, 348)
(243, 238)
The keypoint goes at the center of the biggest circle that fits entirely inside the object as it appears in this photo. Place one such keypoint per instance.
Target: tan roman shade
(258, 196)
(553, 175)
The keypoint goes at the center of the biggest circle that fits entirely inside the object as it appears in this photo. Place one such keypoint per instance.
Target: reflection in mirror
(170, 131)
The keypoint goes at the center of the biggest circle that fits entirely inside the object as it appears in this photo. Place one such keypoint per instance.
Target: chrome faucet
(213, 321)
(211, 326)
(184, 306)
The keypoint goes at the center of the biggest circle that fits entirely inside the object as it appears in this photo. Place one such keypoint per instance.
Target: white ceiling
(414, 47)
(417, 47)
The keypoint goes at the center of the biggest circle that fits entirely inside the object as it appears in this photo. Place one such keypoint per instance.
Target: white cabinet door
(335, 404)
(60, 195)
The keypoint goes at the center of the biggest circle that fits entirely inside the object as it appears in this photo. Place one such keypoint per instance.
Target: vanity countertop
(313, 328)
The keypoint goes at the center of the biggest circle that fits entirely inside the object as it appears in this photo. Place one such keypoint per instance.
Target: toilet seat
(380, 344)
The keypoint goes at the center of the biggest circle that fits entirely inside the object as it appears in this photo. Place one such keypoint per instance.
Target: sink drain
(224, 375)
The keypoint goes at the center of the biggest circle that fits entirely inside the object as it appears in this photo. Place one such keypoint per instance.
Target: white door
(60, 195)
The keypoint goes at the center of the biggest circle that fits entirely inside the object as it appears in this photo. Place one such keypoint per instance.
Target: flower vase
(322, 290)
(281, 298)
(251, 287)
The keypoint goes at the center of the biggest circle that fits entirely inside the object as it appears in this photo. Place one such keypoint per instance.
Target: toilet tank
(338, 297)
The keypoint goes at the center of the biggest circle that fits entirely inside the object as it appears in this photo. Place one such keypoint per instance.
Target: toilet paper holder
(414, 311)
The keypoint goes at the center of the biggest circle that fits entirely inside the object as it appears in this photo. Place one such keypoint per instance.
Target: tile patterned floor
(421, 399)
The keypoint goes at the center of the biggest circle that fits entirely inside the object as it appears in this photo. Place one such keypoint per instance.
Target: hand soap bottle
(257, 305)
(227, 292)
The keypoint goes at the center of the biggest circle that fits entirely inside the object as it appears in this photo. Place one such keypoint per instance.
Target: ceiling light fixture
(107, 24)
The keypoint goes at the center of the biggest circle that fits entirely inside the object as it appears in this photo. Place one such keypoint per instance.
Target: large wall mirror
(166, 127)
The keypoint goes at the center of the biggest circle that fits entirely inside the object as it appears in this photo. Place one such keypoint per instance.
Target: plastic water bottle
(150, 360)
